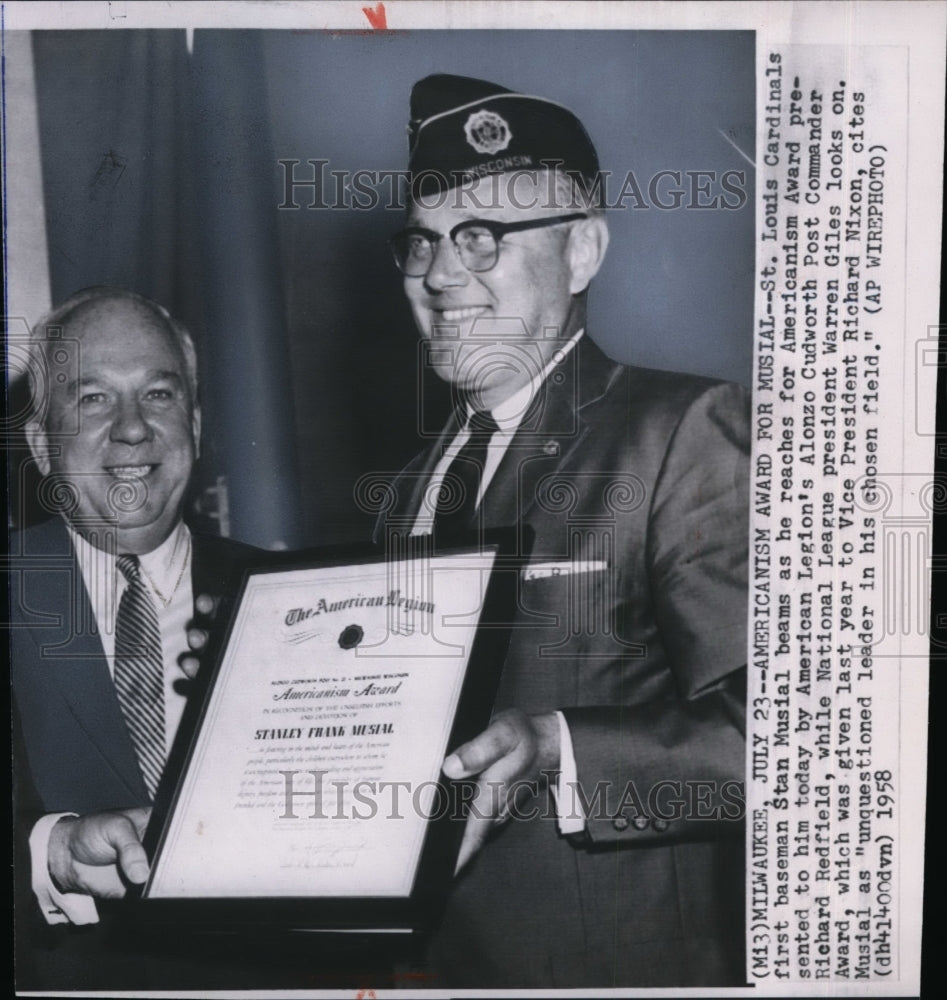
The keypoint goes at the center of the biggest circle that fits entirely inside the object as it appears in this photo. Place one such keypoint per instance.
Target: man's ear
(36, 438)
(588, 241)
(196, 429)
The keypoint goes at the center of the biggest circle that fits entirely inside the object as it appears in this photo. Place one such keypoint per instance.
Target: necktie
(139, 672)
(457, 497)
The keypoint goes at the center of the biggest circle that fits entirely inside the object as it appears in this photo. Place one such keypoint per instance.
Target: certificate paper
(314, 770)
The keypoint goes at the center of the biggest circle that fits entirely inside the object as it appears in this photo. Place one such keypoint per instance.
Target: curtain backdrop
(156, 177)
(165, 171)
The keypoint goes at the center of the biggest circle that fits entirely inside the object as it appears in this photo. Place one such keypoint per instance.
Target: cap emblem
(487, 132)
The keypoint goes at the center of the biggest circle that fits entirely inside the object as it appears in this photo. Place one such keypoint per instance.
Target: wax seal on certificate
(351, 636)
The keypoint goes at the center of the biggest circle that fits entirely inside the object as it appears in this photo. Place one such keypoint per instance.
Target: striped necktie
(457, 497)
(139, 672)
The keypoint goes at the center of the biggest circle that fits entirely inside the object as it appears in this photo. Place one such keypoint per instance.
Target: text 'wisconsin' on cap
(462, 129)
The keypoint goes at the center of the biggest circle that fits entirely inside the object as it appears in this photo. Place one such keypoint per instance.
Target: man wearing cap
(605, 847)
(102, 595)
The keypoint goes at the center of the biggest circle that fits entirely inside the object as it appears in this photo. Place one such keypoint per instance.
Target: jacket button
(660, 825)
(640, 822)
(620, 822)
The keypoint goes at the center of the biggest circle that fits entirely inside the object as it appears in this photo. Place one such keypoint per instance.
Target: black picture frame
(418, 911)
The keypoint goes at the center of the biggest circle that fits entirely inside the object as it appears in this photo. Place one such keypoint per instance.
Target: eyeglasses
(477, 242)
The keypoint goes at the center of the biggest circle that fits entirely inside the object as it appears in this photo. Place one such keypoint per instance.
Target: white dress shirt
(167, 574)
(508, 416)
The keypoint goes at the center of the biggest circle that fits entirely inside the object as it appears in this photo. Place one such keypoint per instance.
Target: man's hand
(515, 747)
(87, 853)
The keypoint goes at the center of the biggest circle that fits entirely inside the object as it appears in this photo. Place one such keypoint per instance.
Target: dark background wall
(161, 173)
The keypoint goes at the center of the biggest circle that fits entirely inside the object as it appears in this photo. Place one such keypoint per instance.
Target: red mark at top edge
(376, 16)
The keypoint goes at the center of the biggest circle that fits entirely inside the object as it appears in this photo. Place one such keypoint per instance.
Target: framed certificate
(306, 788)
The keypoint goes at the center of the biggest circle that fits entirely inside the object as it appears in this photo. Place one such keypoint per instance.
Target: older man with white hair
(102, 595)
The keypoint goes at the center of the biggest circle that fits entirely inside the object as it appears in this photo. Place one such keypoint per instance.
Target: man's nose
(446, 269)
(129, 424)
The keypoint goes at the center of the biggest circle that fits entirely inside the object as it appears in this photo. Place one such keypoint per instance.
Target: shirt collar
(162, 565)
(165, 564)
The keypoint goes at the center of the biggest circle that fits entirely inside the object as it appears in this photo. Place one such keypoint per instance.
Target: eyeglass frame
(496, 229)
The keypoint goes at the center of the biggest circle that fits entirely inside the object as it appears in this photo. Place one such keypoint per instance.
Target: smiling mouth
(129, 471)
(459, 315)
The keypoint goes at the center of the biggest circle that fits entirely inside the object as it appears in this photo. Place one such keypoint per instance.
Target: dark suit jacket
(645, 471)
(72, 751)
(80, 755)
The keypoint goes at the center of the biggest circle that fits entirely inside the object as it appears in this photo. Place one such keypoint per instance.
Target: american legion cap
(462, 129)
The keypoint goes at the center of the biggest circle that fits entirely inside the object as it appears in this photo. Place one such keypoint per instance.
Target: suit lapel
(213, 561)
(550, 434)
(74, 661)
